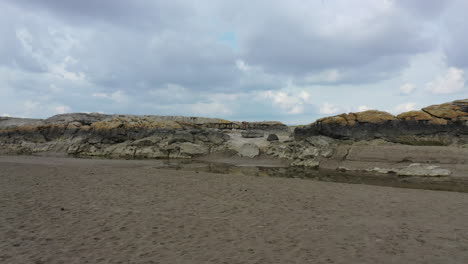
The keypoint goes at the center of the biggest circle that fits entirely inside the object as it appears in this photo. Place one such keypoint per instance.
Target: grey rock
(181, 136)
(272, 137)
(249, 150)
(217, 138)
(193, 149)
(148, 141)
(8, 122)
(82, 118)
(306, 163)
(320, 141)
(436, 125)
(252, 134)
(150, 153)
(417, 169)
(310, 152)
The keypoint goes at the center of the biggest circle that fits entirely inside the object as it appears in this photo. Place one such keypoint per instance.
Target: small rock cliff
(443, 124)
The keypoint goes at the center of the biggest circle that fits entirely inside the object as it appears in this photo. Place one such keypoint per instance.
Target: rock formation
(442, 124)
(123, 136)
(369, 141)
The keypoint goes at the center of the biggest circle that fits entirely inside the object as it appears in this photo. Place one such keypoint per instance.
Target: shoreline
(260, 168)
(76, 210)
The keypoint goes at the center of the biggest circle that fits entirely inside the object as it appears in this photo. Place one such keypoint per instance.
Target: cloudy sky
(292, 61)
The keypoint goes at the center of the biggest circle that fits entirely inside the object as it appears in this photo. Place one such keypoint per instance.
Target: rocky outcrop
(369, 141)
(442, 124)
(122, 136)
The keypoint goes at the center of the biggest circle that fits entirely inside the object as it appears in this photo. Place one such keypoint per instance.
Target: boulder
(249, 150)
(272, 137)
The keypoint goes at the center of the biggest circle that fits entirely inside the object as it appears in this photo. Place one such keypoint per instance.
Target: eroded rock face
(121, 136)
(442, 124)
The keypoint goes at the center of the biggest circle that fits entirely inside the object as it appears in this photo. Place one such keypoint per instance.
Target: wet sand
(58, 210)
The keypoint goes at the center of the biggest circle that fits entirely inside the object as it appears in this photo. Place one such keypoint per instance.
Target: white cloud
(328, 76)
(407, 88)
(30, 105)
(102, 95)
(410, 106)
(5, 115)
(291, 103)
(213, 109)
(62, 109)
(117, 96)
(60, 70)
(171, 92)
(54, 89)
(453, 81)
(329, 109)
(241, 65)
(363, 108)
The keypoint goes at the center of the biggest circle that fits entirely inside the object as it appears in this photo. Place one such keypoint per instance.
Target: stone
(456, 110)
(249, 150)
(327, 153)
(417, 169)
(147, 141)
(193, 149)
(310, 152)
(217, 138)
(181, 136)
(280, 150)
(381, 170)
(306, 163)
(272, 137)
(320, 141)
(374, 117)
(150, 153)
(421, 116)
(252, 134)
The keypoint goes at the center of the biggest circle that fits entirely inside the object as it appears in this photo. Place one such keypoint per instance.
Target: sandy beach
(63, 210)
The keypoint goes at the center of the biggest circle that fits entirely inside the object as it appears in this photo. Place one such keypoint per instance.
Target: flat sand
(58, 210)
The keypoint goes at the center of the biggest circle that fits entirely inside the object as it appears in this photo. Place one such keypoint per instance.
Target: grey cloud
(429, 9)
(141, 13)
(142, 45)
(455, 39)
(285, 44)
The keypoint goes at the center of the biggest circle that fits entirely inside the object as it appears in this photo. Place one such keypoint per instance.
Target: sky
(291, 61)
